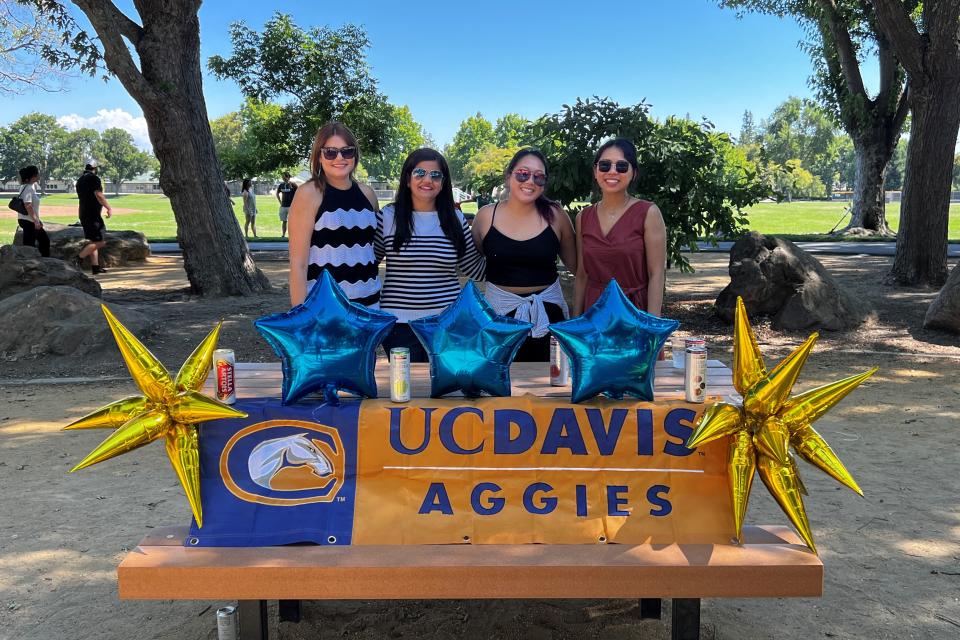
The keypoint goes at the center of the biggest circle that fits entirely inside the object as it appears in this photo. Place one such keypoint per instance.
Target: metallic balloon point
(327, 343)
(770, 422)
(613, 347)
(169, 408)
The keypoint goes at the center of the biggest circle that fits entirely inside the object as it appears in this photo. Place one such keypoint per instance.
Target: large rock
(22, 269)
(123, 247)
(944, 312)
(777, 278)
(59, 321)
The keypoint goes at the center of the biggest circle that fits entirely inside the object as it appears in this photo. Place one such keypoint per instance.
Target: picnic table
(770, 561)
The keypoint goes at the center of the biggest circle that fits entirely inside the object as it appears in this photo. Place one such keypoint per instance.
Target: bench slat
(772, 563)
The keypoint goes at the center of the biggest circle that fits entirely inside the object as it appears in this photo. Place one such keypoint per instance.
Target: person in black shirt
(92, 203)
(285, 191)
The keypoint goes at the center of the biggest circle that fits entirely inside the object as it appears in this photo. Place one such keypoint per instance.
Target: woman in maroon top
(620, 237)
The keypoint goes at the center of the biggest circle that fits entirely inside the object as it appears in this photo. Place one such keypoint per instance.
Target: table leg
(253, 620)
(685, 624)
(650, 608)
(289, 610)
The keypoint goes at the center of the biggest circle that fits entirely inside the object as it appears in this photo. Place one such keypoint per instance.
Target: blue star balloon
(327, 343)
(470, 346)
(613, 347)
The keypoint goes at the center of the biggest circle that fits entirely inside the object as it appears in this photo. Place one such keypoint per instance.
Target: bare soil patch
(892, 559)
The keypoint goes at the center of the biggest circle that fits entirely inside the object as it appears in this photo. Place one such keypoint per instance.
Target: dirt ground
(892, 559)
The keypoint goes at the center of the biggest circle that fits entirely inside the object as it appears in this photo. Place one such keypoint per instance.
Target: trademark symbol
(341, 499)
(702, 454)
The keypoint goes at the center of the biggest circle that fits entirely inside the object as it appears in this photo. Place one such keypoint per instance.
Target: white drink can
(559, 364)
(695, 374)
(224, 363)
(400, 374)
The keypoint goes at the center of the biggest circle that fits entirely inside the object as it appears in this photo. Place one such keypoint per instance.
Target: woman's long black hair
(545, 206)
(446, 211)
(246, 185)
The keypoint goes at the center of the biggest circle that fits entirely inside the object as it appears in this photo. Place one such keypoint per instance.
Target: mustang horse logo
(303, 463)
(291, 463)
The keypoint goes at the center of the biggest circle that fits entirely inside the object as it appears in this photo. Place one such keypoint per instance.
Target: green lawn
(820, 217)
(151, 215)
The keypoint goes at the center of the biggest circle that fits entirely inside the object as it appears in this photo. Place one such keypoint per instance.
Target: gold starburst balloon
(169, 408)
(769, 422)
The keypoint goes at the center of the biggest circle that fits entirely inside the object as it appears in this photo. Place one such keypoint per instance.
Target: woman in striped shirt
(332, 222)
(426, 243)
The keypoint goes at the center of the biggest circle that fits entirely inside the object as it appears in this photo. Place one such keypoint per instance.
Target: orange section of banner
(534, 470)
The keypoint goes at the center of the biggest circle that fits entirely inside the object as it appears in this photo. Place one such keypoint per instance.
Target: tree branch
(844, 47)
(899, 29)
(110, 24)
(903, 108)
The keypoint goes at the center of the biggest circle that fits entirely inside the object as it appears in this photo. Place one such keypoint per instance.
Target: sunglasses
(622, 166)
(434, 175)
(522, 175)
(347, 153)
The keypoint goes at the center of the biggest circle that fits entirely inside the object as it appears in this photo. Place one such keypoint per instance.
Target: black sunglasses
(434, 175)
(522, 175)
(347, 153)
(622, 166)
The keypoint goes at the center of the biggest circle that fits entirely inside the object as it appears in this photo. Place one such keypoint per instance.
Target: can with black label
(224, 363)
(695, 374)
(400, 374)
(228, 623)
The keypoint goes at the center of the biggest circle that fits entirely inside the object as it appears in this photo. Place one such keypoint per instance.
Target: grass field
(151, 215)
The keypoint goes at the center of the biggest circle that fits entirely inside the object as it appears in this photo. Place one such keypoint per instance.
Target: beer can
(228, 623)
(695, 374)
(400, 374)
(224, 362)
(559, 364)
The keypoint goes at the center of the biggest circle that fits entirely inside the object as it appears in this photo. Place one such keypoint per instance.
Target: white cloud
(108, 119)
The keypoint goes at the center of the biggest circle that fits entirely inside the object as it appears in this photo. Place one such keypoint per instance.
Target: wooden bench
(772, 562)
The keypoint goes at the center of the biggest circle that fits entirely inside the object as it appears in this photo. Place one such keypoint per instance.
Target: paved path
(832, 248)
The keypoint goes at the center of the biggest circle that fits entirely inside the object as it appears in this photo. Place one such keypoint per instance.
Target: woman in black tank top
(522, 238)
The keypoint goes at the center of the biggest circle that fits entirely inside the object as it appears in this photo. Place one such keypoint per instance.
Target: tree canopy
(119, 158)
(312, 76)
(475, 134)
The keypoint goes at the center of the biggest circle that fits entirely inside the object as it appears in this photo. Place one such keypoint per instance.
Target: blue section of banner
(282, 475)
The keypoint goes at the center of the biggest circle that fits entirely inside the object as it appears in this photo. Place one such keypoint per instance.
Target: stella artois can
(559, 365)
(400, 374)
(224, 363)
(695, 374)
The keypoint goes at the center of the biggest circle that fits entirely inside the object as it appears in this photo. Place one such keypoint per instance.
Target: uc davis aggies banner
(495, 470)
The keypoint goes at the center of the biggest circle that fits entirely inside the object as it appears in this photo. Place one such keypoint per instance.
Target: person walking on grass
(285, 191)
(249, 208)
(29, 218)
(92, 203)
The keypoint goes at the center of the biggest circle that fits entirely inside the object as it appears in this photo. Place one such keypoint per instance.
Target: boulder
(123, 247)
(60, 321)
(22, 269)
(944, 311)
(777, 278)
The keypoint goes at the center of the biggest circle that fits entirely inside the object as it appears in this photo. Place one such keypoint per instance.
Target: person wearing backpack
(29, 217)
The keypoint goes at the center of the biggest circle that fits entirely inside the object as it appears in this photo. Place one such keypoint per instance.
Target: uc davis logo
(284, 463)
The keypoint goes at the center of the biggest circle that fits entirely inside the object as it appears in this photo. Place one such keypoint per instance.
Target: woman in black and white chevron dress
(333, 222)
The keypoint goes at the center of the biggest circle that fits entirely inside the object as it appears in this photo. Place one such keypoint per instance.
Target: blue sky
(450, 60)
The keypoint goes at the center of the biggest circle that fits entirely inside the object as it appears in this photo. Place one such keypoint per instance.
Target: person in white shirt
(29, 219)
(427, 245)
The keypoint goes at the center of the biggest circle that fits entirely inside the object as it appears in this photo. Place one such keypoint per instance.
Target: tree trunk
(921, 256)
(168, 87)
(868, 212)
